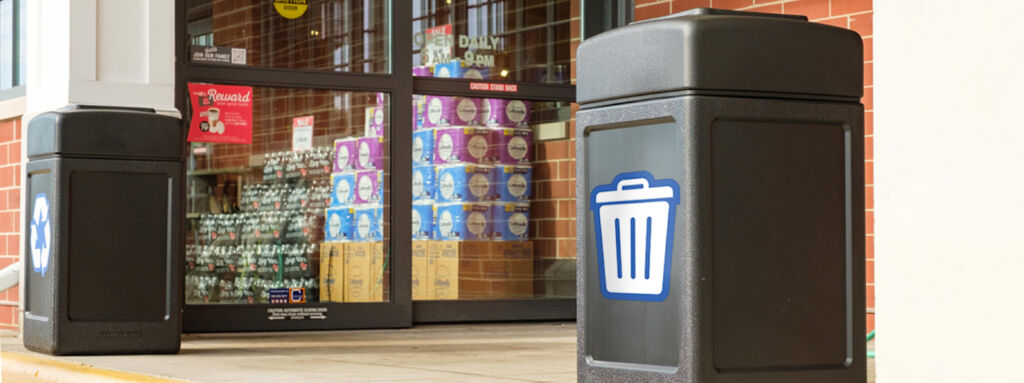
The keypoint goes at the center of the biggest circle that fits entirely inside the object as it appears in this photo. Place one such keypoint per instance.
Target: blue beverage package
(423, 183)
(511, 221)
(367, 223)
(343, 189)
(338, 225)
(463, 221)
(422, 221)
(464, 183)
(512, 183)
(451, 69)
(423, 147)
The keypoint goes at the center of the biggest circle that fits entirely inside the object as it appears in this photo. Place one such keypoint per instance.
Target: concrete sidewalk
(518, 352)
(529, 352)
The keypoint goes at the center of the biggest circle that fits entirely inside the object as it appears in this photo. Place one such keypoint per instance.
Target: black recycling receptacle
(103, 232)
(721, 201)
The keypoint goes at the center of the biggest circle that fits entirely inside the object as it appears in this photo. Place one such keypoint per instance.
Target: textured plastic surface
(768, 252)
(114, 279)
(720, 51)
(106, 133)
(779, 209)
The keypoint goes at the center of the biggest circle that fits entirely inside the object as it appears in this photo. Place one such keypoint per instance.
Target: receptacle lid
(725, 51)
(106, 133)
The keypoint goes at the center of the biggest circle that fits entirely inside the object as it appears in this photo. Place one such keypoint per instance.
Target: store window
(484, 171)
(326, 35)
(606, 15)
(523, 41)
(493, 207)
(12, 45)
(300, 214)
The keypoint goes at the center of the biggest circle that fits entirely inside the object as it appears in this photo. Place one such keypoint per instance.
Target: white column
(949, 190)
(100, 52)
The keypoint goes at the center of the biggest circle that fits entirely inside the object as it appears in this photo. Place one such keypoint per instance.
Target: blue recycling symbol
(39, 234)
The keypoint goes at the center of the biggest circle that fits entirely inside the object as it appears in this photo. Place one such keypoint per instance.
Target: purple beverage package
(511, 146)
(461, 145)
(421, 71)
(467, 111)
(370, 153)
(374, 122)
(444, 111)
(344, 154)
(505, 113)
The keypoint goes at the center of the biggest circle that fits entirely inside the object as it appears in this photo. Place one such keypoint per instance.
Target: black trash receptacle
(721, 201)
(103, 232)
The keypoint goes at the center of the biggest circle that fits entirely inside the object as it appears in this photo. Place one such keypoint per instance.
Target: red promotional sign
(441, 30)
(220, 113)
(494, 87)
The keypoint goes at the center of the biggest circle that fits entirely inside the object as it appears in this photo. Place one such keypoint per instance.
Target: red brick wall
(851, 14)
(10, 217)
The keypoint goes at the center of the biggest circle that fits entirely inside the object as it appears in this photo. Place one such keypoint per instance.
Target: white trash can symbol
(634, 219)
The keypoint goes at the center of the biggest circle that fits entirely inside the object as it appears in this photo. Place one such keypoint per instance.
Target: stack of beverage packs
(265, 249)
(308, 227)
(352, 257)
(471, 183)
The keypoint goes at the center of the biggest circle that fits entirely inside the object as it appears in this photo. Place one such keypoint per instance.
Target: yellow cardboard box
(332, 272)
(512, 249)
(359, 276)
(479, 269)
(420, 275)
(377, 271)
(443, 270)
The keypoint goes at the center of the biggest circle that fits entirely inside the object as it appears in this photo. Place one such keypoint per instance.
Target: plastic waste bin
(104, 232)
(720, 200)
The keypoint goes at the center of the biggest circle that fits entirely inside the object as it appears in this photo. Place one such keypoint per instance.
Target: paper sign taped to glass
(220, 113)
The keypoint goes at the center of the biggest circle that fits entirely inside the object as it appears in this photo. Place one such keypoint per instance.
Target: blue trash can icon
(634, 219)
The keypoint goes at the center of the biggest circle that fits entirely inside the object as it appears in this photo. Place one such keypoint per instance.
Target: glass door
(493, 164)
(299, 128)
(289, 209)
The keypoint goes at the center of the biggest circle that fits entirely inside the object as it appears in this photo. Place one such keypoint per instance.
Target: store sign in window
(220, 113)
(302, 133)
(524, 42)
(494, 87)
(437, 43)
(474, 46)
(218, 55)
(290, 9)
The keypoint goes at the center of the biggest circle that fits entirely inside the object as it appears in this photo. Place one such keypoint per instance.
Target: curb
(18, 367)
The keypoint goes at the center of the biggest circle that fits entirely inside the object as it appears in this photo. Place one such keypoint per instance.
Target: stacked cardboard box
(332, 272)
(419, 270)
(477, 269)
